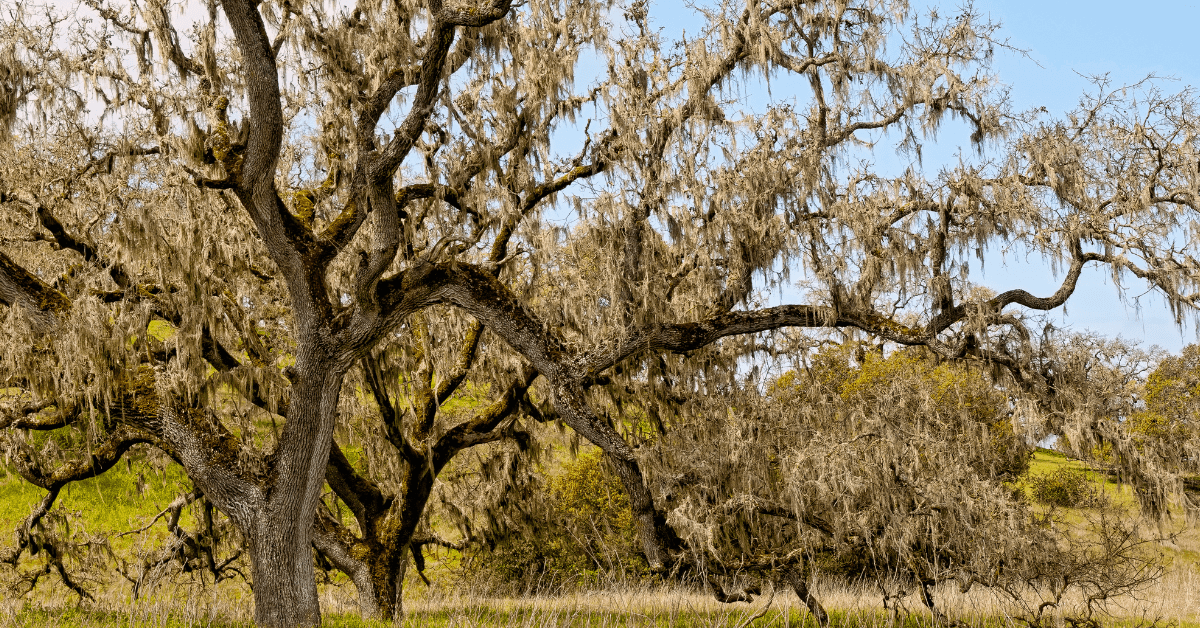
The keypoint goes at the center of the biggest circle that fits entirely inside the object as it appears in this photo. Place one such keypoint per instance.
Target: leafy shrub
(1065, 488)
(595, 521)
(580, 532)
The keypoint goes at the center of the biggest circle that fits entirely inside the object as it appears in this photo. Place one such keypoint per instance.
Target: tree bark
(799, 583)
(284, 592)
(378, 561)
(325, 539)
(275, 512)
(281, 538)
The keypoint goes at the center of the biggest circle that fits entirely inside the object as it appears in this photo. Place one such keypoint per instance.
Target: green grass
(1181, 549)
(1047, 461)
(108, 504)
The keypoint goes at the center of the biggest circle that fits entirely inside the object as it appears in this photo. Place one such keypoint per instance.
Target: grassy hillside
(1181, 544)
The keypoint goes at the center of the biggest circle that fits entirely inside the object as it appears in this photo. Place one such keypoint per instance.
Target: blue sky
(1066, 42)
(1128, 41)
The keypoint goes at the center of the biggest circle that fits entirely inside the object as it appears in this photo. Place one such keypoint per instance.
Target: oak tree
(287, 184)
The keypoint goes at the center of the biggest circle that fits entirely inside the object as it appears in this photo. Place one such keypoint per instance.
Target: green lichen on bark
(304, 207)
(218, 140)
(343, 220)
(138, 400)
(304, 201)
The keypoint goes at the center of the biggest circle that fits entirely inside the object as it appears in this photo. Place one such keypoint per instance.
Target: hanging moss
(42, 296)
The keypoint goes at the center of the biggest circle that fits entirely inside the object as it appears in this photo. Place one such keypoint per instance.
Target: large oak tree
(288, 183)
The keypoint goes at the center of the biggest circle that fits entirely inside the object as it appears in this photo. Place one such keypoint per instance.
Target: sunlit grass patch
(1047, 462)
(122, 499)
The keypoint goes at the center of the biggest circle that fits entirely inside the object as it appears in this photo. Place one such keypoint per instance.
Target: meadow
(130, 495)
(1175, 601)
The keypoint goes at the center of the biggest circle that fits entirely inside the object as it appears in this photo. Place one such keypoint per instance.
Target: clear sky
(1067, 42)
(1127, 41)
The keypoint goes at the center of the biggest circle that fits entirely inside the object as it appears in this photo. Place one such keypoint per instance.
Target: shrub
(580, 531)
(1065, 488)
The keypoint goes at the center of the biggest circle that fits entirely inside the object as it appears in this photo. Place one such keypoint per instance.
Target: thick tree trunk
(276, 512)
(285, 592)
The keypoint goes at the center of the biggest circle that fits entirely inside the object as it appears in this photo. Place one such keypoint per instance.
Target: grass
(113, 503)
(1047, 461)
(1180, 544)
(108, 504)
(185, 606)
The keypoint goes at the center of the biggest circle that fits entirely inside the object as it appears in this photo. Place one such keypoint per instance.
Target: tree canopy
(297, 189)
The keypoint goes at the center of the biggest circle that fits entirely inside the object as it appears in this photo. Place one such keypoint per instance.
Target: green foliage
(587, 492)
(586, 533)
(1171, 413)
(1065, 487)
(594, 508)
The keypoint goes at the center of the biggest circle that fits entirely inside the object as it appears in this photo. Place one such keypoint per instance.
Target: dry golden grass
(1173, 601)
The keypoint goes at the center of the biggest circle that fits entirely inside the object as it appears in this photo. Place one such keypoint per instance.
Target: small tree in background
(1169, 420)
(1066, 488)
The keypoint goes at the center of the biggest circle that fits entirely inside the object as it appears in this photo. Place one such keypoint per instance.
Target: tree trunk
(389, 555)
(398, 586)
(275, 513)
(378, 561)
(799, 582)
(385, 560)
(285, 591)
